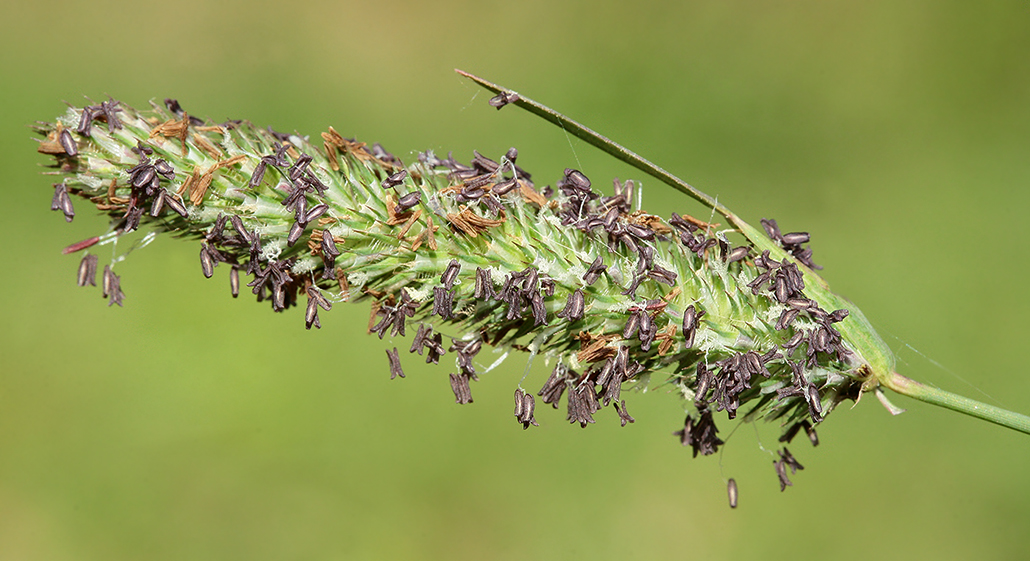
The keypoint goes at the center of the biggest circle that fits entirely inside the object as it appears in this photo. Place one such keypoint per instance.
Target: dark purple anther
(524, 407)
(789, 461)
(573, 310)
(466, 351)
(821, 339)
(484, 285)
(143, 176)
(143, 150)
(690, 318)
(159, 202)
(311, 315)
(640, 231)
(176, 205)
(756, 364)
(85, 121)
(795, 238)
(442, 302)
(786, 318)
(132, 218)
(460, 387)
(503, 98)
(555, 385)
(577, 179)
(329, 255)
(112, 287)
(624, 416)
(315, 212)
(259, 173)
(315, 294)
(395, 363)
(800, 303)
(395, 179)
(484, 164)
(815, 407)
(164, 169)
(68, 143)
(771, 229)
(547, 287)
(794, 277)
(737, 254)
(702, 381)
(837, 315)
(539, 311)
(418, 343)
(471, 193)
(88, 270)
(173, 106)
(296, 231)
(780, 289)
(237, 224)
(700, 434)
(662, 275)
(781, 473)
(62, 202)
(756, 284)
(110, 110)
(595, 270)
(610, 219)
(504, 187)
(379, 152)
(450, 273)
(628, 241)
(532, 277)
(646, 323)
(582, 404)
(682, 224)
(207, 264)
(632, 325)
(407, 202)
(299, 167)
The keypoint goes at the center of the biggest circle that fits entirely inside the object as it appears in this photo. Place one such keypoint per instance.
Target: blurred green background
(188, 425)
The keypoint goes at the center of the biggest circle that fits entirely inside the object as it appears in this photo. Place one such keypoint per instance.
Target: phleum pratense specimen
(737, 319)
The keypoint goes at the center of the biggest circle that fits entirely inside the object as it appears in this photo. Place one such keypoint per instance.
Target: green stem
(948, 400)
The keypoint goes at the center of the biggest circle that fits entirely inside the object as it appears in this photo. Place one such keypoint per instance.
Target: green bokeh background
(188, 425)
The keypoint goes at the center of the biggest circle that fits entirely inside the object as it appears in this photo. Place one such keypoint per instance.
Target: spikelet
(609, 295)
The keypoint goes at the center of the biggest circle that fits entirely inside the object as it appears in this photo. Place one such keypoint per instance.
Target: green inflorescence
(476, 252)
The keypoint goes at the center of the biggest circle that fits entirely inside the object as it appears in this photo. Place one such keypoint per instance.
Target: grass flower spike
(458, 255)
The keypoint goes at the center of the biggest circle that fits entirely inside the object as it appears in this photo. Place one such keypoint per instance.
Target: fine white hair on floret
(272, 248)
(305, 265)
(772, 314)
(550, 268)
(358, 279)
(420, 293)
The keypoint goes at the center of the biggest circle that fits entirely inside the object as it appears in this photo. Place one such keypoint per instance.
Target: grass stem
(955, 402)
